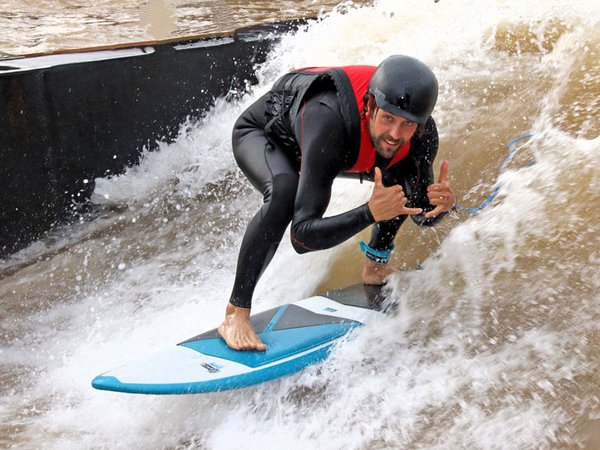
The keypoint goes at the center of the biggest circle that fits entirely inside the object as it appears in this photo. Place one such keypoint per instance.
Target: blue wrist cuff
(377, 256)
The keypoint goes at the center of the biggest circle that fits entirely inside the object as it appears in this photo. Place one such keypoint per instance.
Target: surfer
(318, 123)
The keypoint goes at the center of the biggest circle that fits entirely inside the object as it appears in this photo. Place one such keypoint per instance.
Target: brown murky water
(49, 25)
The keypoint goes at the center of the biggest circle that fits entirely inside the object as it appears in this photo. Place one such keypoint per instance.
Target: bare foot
(237, 330)
(376, 274)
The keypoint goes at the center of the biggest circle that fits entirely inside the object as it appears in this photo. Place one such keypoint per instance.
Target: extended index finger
(412, 211)
(435, 212)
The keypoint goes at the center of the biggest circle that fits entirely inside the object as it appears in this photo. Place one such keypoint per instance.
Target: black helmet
(405, 87)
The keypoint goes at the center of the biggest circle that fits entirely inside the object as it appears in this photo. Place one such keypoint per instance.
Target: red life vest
(359, 77)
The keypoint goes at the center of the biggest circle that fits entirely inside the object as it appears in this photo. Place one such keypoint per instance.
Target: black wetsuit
(295, 175)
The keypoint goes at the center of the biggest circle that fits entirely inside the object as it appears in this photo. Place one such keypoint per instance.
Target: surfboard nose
(105, 383)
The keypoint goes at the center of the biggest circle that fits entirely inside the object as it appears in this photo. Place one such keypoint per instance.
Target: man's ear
(370, 106)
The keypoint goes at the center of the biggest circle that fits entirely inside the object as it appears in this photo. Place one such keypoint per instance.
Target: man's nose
(398, 132)
(395, 133)
(402, 130)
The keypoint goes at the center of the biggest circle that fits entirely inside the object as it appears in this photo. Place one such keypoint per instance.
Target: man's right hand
(388, 202)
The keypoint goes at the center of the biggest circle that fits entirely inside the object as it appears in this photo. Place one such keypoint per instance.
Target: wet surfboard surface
(296, 334)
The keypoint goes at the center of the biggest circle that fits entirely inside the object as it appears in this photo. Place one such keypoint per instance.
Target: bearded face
(389, 133)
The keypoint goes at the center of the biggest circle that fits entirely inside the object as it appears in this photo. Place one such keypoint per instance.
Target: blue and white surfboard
(296, 335)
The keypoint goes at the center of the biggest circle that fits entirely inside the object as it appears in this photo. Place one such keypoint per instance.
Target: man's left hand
(440, 194)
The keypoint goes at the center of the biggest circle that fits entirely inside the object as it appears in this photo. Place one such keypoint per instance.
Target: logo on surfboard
(212, 367)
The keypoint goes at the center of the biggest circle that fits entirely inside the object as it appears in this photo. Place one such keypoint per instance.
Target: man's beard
(383, 148)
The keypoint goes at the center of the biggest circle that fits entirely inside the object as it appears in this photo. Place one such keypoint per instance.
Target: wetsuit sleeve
(326, 152)
(414, 174)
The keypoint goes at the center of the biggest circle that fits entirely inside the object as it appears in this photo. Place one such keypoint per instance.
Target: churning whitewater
(494, 343)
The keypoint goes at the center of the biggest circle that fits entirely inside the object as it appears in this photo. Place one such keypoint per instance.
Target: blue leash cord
(513, 150)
